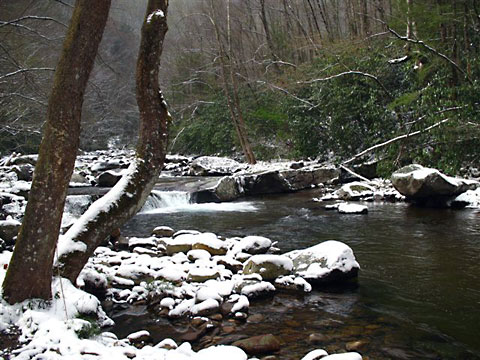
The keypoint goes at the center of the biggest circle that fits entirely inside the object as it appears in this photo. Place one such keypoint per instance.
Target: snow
(138, 335)
(156, 13)
(347, 208)
(66, 244)
(471, 197)
(315, 354)
(258, 288)
(209, 304)
(277, 260)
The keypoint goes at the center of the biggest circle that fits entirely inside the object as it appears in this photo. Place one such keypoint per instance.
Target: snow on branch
(19, 71)
(351, 72)
(388, 142)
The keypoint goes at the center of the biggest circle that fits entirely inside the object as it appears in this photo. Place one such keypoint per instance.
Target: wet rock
(227, 189)
(330, 261)
(429, 186)
(230, 339)
(230, 264)
(108, 178)
(261, 344)
(24, 172)
(163, 231)
(168, 344)
(269, 266)
(317, 339)
(292, 283)
(257, 318)
(229, 329)
(8, 230)
(254, 289)
(356, 345)
(355, 191)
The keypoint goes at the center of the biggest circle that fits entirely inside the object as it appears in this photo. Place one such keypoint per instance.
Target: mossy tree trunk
(129, 195)
(29, 273)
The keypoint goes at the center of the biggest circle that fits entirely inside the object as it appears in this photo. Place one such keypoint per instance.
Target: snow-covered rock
(348, 208)
(417, 182)
(329, 261)
(9, 230)
(213, 165)
(269, 267)
(252, 245)
(355, 191)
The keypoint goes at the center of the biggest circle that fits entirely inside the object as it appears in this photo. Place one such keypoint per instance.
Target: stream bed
(418, 293)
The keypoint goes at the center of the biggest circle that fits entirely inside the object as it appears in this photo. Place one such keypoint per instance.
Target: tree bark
(129, 195)
(29, 273)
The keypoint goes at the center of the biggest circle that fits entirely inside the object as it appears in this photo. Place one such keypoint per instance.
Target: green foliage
(89, 329)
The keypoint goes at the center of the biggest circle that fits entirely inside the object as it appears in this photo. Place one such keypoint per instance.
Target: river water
(418, 293)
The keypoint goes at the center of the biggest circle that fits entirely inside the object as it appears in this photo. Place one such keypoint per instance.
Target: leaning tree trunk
(29, 273)
(130, 193)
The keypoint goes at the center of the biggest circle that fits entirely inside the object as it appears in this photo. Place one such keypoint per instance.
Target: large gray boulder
(8, 230)
(328, 262)
(417, 182)
(109, 178)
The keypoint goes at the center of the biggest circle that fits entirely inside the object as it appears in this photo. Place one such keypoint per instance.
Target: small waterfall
(166, 199)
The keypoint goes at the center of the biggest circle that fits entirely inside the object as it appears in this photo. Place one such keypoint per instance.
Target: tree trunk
(130, 193)
(29, 274)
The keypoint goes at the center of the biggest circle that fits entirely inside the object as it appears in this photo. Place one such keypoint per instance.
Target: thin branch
(428, 47)
(31, 17)
(355, 174)
(405, 136)
(4, 95)
(287, 93)
(19, 71)
(352, 72)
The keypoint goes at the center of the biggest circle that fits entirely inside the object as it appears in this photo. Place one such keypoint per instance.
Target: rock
(206, 307)
(78, 180)
(255, 289)
(356, 345)
(344, 356)
(227, 189)
(214, 166)
(269, 266)
(423, 184)
(355, 191)
(108, 178)
(252, 245)
(346, 208)
(221, 352)
(24, 159)
(292, 283)
(8, 230)
(297, 165)
(111, 164)
(261, 344)
(202, 274)
(329, 261)
(181, 243)
(209, 242)
(138, 337)
(315, 355)
(198, 254)
(168, 344)
(307, 177)
(230, 263)
(317, 339)
(266, 182)
(24, 172)
(367, 170)
(254, 319)
(163, 231)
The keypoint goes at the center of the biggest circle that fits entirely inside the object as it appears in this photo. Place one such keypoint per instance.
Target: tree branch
(352, 72)
(391, 141)
(19, 71)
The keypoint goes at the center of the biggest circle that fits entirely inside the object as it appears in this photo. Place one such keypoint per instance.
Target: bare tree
(31, 263)
(128, 196)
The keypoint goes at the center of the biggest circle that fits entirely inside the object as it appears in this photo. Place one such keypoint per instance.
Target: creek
(418, 293)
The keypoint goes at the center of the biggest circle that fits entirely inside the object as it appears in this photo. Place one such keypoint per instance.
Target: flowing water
(418, 294)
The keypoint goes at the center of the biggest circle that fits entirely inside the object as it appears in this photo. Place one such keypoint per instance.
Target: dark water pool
(418, 294)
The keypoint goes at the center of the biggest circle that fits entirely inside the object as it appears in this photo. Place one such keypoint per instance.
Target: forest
(242, 179)
(302, 79)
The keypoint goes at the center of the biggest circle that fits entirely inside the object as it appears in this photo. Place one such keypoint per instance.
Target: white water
(179, 201)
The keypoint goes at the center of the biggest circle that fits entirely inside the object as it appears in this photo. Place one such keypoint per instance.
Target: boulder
(355, 191)
(227, 189)
(261, 344)
(327, 262)
(108, 178)
(181, 243)
(265, 182)
(419, 183)
(269, 266)
(214, 166)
